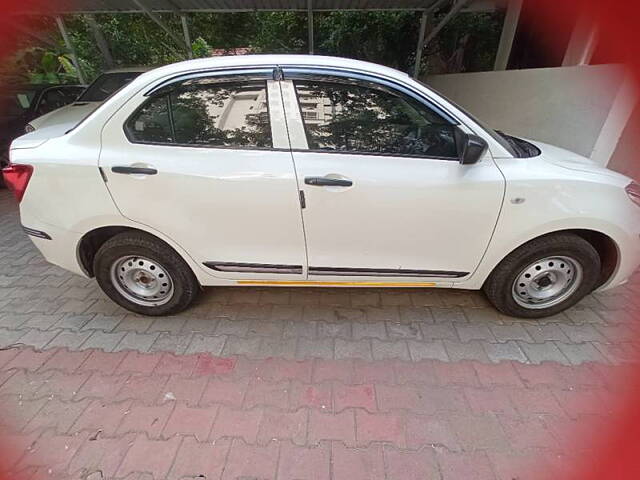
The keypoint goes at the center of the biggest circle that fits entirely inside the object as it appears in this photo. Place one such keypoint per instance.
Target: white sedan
(316, 171)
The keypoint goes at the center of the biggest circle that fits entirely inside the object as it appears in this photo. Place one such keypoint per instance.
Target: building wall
(564, 106)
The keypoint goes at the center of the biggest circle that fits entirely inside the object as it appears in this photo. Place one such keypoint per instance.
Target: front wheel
(544, 276)
(144, 275)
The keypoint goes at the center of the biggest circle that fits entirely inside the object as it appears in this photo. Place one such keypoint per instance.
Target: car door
(385, 195)
(206, 162)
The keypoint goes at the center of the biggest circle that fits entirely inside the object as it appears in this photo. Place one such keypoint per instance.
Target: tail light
(17, 177)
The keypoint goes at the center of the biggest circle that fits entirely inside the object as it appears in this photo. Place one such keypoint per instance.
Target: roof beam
(101, 41)
(72, 51)
(509, 28)
(310, 24)
(156, 18)
(457, 6)
(187, 35)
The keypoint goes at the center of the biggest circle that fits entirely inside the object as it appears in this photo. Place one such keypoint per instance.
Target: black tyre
(144, 275)
(544, 276)
(4, 161)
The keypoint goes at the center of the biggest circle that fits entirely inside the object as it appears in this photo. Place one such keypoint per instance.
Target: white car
(316, 171)
(96, 93)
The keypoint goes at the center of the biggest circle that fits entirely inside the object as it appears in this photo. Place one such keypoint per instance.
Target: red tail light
(17, 178)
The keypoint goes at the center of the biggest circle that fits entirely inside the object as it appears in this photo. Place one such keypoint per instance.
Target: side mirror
(470, 147)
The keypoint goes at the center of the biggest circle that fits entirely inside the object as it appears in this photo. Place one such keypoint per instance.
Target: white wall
(564, 106)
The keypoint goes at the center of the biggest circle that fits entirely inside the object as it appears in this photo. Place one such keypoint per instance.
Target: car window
(346, 117)
(214, 115)
(105, 85)
(54, 98)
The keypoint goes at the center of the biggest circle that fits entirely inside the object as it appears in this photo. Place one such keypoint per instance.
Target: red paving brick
(163, 416)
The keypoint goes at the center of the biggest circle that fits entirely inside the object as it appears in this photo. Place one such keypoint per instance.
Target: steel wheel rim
(547, 282)
(142, 281)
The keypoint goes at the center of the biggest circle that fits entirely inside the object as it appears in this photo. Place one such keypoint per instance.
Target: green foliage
(467, 43)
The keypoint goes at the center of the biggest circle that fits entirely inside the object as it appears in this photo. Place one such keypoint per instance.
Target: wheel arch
(91, 242)
(605, 246)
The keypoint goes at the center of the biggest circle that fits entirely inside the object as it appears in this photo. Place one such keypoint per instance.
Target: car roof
(268, 60)
(128, 69)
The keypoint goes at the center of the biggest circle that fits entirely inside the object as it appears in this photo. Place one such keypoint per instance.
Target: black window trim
(332, 75)
(225, 77)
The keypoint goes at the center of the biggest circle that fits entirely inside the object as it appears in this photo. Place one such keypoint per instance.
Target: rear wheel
(144, 275)
(544, 276)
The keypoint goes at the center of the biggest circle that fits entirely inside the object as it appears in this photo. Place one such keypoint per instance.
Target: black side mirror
(470, 147)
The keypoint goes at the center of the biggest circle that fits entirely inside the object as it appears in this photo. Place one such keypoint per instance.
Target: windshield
(105, 85)
(13, 104)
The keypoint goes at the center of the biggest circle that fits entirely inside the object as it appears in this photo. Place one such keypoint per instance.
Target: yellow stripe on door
(336, 284)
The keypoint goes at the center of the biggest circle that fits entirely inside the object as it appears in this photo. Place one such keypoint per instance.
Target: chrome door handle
(327, 182)
(134, 170)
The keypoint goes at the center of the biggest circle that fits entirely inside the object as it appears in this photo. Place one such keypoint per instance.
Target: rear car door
(386, 197)
(206, 161)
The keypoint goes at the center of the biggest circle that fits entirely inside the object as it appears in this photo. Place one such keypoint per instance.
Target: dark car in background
(21, 103)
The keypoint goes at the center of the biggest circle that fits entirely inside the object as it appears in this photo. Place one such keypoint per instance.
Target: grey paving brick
(403, 330)
(508, 350)
(306, 296)
(75, 307)
(275, 296)
(388, 350)
(106, 307)
(314, 348)
(482, 315)
(583, 315)
(345, 314)
(426, 298)
(429, 350)
(13, 320)
(301, 328)
(106, 323)
(415, 314)
(448, 315)
(232, 327)
(439, 331)
(395, 298)
(474, 331)
(257, 311)
(207, 344)
(619, 353)
(266, 328)
(546, 332)
(382, 314)
(287, 312)
(242, 346)
(339, 329)
(352, 349)
(278, 347)
(369, 330)
(171, 324)
(582, 333)
(338, 297)
(319, 312)
(200, 325)
(365, 298)
(504, 333)
(168, 342)
(581, 353)
(465, 351)
(140, 342)
(69, 339)
(134, 323)
(72, 321)
(38, 338)
(242, 295)
(543, 352)
(104, 340)
(10, 337)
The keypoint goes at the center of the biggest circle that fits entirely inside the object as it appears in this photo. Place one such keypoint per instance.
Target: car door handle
(327, 182)
(134, 170)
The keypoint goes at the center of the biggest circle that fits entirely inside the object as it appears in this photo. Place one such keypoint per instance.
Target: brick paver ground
(297, 384)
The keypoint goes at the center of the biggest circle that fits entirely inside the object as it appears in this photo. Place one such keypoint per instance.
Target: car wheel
(544, 276)
(144, 275)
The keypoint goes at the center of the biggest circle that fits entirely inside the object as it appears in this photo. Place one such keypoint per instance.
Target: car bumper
(58, 246)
